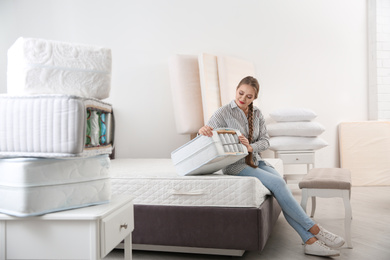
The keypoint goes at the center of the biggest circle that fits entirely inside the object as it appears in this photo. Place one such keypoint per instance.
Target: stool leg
(348, 217)
(304, 199)
(313, 206)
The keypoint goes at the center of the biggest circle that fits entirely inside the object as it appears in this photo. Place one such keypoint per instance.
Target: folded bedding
(38, 66)
(35, 186)
(55, 126)
(156, 182)
(205, 155)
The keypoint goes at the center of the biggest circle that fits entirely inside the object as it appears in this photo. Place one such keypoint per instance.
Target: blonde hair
(251, 81)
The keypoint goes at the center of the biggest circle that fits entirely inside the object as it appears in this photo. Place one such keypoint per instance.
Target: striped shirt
(231, 116)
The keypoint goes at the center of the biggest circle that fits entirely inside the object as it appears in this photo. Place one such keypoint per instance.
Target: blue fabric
(292, 211)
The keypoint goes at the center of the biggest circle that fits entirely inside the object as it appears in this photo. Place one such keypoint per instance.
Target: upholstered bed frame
(210, 230)
(201, 84)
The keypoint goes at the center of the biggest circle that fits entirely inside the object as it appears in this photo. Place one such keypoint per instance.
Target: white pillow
(293, 114)
(295, 143)
(295, 129)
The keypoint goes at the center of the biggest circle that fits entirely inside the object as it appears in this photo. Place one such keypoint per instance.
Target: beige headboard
(201, 84)
(365, 151)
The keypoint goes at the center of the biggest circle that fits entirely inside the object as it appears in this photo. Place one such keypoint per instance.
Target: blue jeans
(292, 211)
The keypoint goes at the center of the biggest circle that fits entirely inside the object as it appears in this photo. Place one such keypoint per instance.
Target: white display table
(85, 233)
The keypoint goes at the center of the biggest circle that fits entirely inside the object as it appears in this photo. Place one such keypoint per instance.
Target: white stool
(328, 183)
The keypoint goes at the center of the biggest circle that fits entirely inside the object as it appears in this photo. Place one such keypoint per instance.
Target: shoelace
(328, 235)
(322, 244)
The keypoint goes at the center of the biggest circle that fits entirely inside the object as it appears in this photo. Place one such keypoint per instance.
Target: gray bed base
(206, 230)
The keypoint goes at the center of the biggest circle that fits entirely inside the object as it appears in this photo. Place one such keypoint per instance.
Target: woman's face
(245, 94)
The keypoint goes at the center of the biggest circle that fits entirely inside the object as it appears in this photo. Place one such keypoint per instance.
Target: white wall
(307, 54)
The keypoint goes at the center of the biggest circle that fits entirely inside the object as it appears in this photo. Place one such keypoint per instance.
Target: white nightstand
(296, 157)
(85, 233)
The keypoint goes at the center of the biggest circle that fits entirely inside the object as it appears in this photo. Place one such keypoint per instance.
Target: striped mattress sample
(55, 126)
(205, 155)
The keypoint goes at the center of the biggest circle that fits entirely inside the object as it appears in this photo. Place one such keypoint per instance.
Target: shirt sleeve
(217, 119)
(262, 143)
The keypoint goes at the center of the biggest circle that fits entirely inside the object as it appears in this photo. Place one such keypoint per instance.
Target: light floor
(370, 231)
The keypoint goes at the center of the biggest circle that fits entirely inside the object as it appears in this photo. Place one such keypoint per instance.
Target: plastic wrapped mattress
(38, 66)
(35, 186)
(205, 155)
(55, 126)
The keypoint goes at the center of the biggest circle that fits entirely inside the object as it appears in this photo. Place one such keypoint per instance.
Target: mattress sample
(33, 186)
(209, 83)
(365, 151)
(186, 93)
(205, 155)
(55, 126)
(230, 72)
(38, 66)
(156, 182)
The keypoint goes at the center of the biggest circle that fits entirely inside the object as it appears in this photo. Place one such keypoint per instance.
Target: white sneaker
(330, 239)
(319, 248)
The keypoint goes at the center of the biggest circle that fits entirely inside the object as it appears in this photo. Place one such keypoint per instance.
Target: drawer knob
(297, 159)
(123, 226)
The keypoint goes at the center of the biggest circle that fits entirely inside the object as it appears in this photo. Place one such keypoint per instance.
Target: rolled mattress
(55, 126)
(38, 66)
(35, 186)
(205, 155)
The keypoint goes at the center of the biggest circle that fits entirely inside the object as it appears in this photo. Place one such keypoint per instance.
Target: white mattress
(205, 155)
(186, 93)
(54, 126)
(365, 151)
(38, 66)
(156, 182)
(32, 186)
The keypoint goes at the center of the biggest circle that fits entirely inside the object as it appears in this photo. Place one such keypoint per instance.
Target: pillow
(293, 114)
(295, 143)
(295, 129)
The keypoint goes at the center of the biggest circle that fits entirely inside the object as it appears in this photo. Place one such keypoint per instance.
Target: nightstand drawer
(116, 227)
(296, 158)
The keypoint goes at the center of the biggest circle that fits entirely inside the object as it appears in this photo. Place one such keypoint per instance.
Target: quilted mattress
(55, 126)
(35, 186)
(156, 182)
(38, 66)
(205, 155)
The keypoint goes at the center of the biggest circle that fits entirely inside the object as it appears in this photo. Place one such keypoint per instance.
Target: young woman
(240, 114)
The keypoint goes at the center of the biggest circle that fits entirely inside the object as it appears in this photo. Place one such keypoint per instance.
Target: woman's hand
(245, 142)
(206, 131)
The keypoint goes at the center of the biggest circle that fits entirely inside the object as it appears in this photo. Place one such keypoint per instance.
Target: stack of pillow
(55, 132)
(293, 129)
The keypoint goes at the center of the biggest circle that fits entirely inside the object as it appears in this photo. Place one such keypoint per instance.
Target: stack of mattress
(55, 132)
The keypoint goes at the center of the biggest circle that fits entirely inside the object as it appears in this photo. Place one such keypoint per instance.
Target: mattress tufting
(55, 126)
(38, 66)
(156, 182)
(33, 186)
